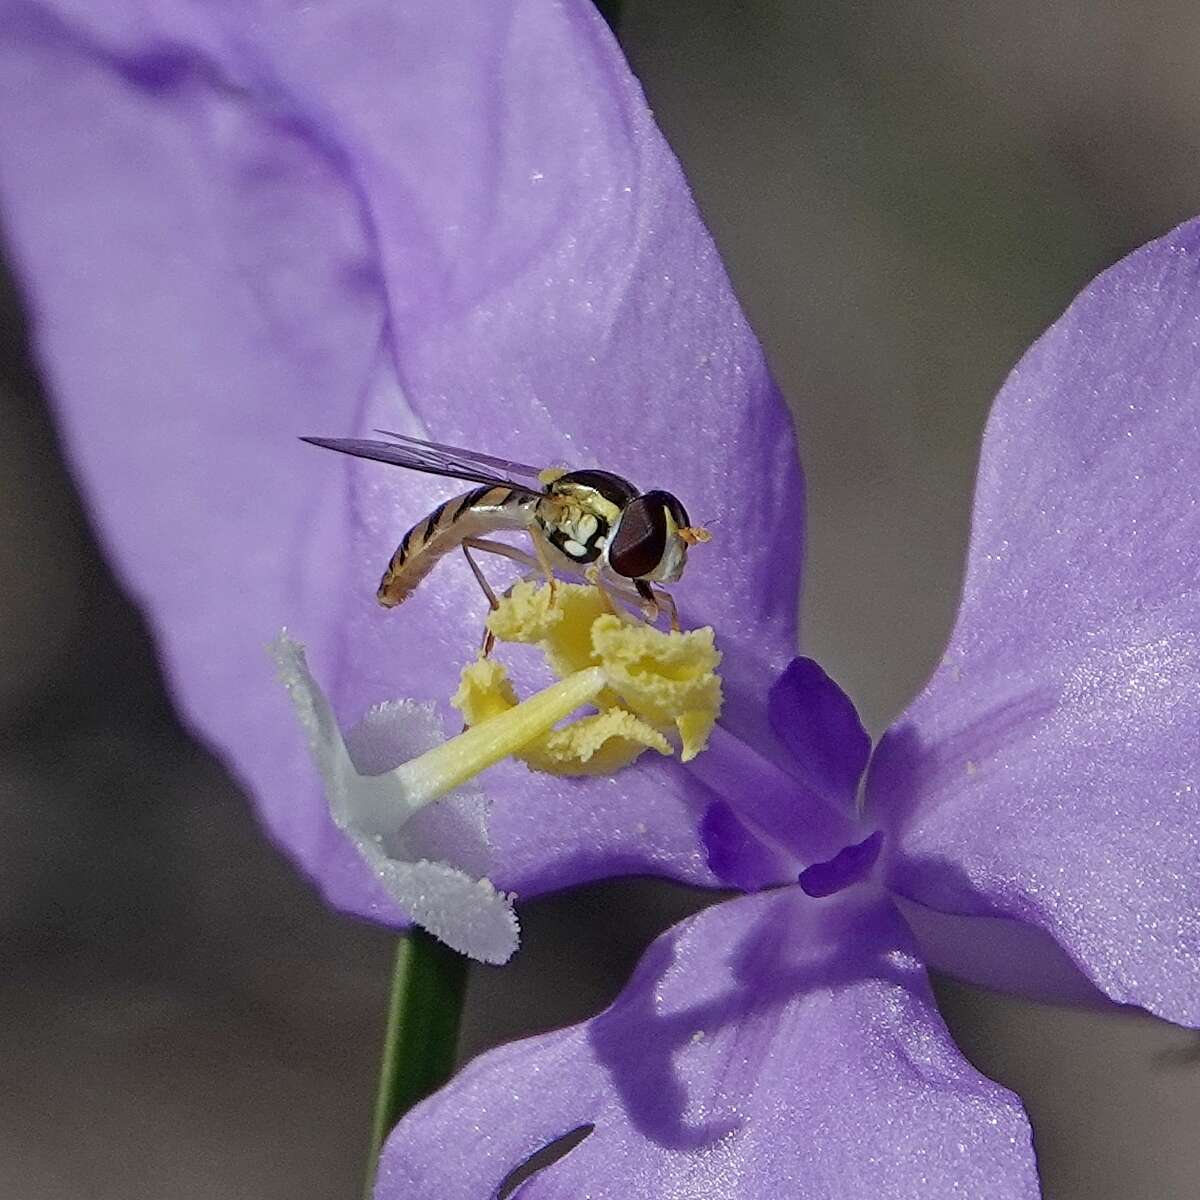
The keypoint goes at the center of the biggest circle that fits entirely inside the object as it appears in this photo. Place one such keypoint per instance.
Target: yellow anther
(667, 679)
(658, 682)
(596, 745)
(563, 629)
(483, 691)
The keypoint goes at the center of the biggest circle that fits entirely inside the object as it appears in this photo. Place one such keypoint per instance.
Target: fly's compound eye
(639, 542)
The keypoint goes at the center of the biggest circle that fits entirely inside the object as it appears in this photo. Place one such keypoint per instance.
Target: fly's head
(651, 538)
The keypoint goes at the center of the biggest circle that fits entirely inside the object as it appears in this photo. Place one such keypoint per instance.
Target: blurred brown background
(906, 194)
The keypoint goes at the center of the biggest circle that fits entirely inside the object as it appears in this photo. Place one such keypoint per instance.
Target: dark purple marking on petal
(848, 866)
(735, 855)
(819, 725)
(162, 68)
(772, 803)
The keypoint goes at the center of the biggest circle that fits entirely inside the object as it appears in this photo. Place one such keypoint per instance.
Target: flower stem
(429, 981)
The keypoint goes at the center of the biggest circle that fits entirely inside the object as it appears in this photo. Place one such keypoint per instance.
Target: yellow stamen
(596, 745)
(665, 678)
(562, 627)
(431, 775)
(657, 682)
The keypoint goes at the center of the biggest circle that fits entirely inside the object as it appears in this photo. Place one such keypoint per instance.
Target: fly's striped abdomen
(473, 514)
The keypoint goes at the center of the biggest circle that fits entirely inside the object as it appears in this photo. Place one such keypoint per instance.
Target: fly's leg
(539, 546)
(504, 550)
(489, 638)
(592, 575)
(493, 603)
(665, 598)
(649, 602)
(614, 598)
(501, 550)
(654, 601)
(534, 566)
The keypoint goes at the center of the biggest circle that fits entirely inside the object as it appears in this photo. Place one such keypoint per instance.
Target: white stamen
(431, 870)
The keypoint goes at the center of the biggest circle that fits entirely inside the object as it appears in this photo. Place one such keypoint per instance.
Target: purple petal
(1048, 773)
(772, 1046)
(237, 224)
(819, 725)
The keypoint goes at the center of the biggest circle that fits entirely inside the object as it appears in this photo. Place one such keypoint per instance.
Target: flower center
(659, 688)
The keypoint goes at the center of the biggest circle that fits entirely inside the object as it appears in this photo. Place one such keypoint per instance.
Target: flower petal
(771, 1046)
(1048, 774)
(236, 224)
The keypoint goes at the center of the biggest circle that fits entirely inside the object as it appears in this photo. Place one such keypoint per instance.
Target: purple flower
(238, 224)
(1033, 816)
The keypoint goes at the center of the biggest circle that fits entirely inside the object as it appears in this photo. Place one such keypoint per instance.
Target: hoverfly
(588, 523)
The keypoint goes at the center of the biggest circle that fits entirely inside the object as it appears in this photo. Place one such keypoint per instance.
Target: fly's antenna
(701, 532)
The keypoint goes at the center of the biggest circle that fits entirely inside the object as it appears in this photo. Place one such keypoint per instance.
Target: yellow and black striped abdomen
(473, 514)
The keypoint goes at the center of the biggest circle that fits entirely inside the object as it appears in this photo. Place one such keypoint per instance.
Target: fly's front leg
(668, 600)
(649, 603)
(539, 546)
(593, 576)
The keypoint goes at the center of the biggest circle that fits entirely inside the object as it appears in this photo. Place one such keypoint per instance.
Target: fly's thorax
(575, 531)
(579, 511)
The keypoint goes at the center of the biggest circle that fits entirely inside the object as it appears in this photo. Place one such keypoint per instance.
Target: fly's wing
(435, 459)
(504, 465)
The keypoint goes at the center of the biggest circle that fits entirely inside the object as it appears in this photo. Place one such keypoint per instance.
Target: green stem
(428, 984)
